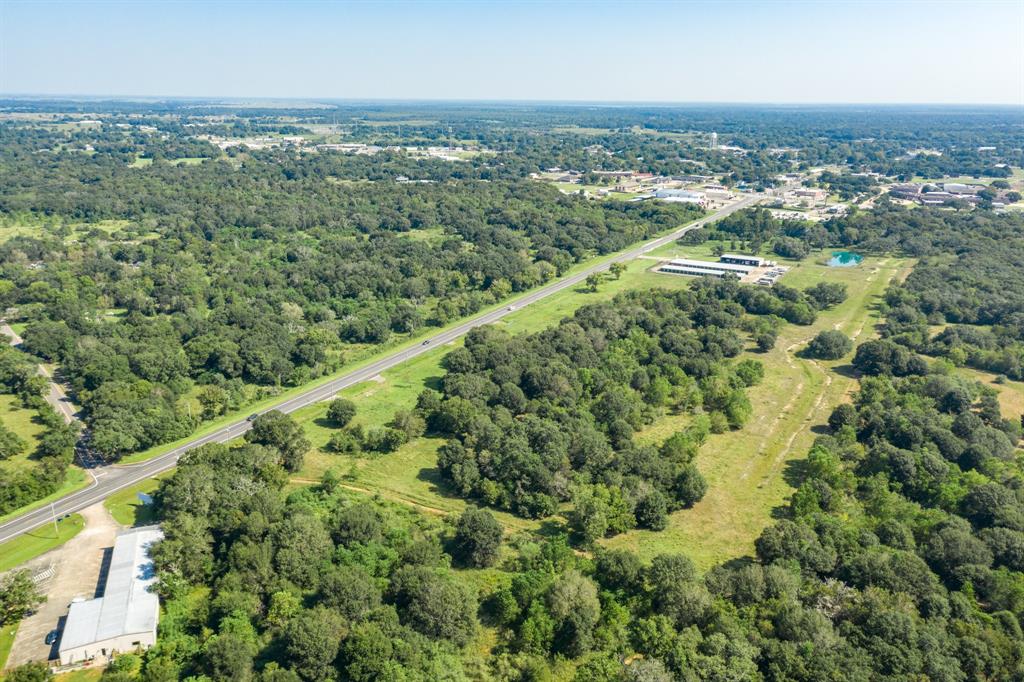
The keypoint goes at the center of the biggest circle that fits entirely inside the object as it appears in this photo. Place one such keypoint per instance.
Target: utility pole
(53, 515)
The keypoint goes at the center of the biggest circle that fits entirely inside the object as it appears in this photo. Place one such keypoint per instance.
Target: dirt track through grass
(750, 472)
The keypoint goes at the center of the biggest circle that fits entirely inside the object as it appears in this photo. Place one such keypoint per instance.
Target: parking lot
(74, 571)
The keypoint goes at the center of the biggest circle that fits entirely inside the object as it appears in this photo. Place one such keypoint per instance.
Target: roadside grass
(24, 423)
(126, 507)
(751, 472)
(76, 479)
(7, 633)
(39, 541)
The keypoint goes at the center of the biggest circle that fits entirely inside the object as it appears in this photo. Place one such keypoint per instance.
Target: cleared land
(750, 471)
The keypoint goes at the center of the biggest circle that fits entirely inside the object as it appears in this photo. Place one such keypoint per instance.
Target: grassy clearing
(30, 545)
(746, 470)
(749, 472)
(1011, 393)
(23, 422)
(127, 509)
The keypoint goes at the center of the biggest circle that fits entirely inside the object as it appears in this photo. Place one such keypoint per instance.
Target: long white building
(124, 619)
(685, 266)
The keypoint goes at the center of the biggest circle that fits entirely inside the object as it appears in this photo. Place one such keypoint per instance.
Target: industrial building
(124, 619)
(749, 261)
(685, 266)
(681, 196)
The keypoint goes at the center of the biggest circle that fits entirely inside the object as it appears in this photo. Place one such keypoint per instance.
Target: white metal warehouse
(125, 617)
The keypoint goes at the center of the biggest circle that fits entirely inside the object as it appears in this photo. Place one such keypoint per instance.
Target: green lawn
(41, 540)
(127, 509)
(746, 470)
(7, 634)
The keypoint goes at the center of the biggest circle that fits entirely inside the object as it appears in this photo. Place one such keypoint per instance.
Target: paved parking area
(76, 567)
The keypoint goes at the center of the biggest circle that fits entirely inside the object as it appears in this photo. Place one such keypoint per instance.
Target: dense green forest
(899, 557)
(547, 418)
(265, 275)
(174, 281)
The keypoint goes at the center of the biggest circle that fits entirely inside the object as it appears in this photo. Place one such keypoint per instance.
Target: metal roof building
(685, 266)
(125, 617)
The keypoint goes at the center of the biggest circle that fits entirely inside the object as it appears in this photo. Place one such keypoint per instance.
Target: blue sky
(826, 51)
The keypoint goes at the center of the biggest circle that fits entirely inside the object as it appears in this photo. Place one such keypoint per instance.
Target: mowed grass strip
(39, 541)
(750, 472)
(126, 507)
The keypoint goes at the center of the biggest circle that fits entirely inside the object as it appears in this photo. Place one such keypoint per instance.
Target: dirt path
(76, 569)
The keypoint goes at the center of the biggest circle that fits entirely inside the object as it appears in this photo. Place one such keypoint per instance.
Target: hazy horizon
(859, 53)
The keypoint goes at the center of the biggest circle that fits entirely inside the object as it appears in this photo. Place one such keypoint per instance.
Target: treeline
(964, 300)
(23, 483)
(313, 585)
(899, 557)
(537, 420)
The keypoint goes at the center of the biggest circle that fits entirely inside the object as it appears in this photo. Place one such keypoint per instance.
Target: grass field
(1011, 393)
(127, 509)
(41, 540)
(23, 422)
(746, 470)
(796, 395)
(749, 471)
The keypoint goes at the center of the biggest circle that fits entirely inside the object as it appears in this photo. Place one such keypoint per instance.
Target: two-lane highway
(110, 479)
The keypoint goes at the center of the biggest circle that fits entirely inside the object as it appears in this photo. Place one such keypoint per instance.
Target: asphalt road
(110, 479)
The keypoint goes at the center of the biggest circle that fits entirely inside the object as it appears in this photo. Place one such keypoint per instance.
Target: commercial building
(749, 261)
(124, 619)
(698, 268)
(960, 188)
(812, 193)
(681, 196)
